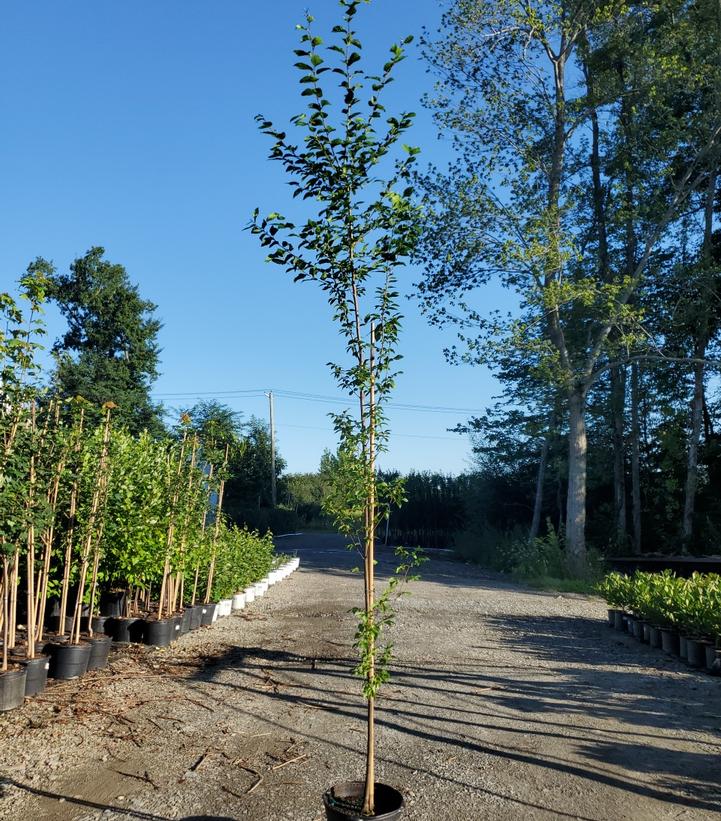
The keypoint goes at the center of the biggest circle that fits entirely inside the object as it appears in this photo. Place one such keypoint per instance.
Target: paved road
(505, 704)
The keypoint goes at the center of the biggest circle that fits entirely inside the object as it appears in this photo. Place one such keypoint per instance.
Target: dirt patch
(505, 704)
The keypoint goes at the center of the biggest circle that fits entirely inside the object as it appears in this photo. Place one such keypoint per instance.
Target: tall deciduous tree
(558, 219)
(109, 352)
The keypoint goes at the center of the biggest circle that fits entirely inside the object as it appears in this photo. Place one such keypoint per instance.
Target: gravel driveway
(505, 704)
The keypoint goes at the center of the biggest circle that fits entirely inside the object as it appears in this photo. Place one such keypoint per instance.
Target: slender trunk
(635, 459)
(15, 573)
(576, 497)
(369, 796)
(693, 447)
(618, 406)
(538, 501)
(6, 614)
(216, 532)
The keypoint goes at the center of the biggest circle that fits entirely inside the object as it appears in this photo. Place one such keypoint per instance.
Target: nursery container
(103, 625)
(249, 594)
(669, 641)
(209, 612)
(37, 674)
(713, 659)
(612, 616)
(696, 652)
(185, 621)
(238, 601)
(654, 637)
(158, 632)
(196, 616)
(68, 660)
(12, 689)
(99, 652)
(619, 620)
(638, 630)
(682, 647)
(225, 607)
(127, 630)
(112, 603)
(343, 802)
(176, 623)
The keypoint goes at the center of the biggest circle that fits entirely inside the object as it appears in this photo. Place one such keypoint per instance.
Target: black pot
(12, 689)
(68, 660)
(654, 636)
(343, 802)
(112, 603)
(713, 660)
(682, 647)
(638, 630)
(669, 641)
(103, 625)
(176, 622)
(630, 621)
(185, 621)
(646, 633)
(127, 630)
(208, 611)
(99, 652)
(696, 652)
(37, 677)
(158, 633)
(612, 616)
(619, 620)
(196, 616)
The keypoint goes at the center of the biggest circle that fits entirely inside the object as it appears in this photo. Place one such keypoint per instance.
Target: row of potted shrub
(682, 616)
(65, 660)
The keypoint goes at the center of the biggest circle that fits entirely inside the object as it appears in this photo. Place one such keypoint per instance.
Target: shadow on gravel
(80, 802)
(412, 708)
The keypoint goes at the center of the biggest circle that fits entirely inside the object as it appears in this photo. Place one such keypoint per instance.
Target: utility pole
(272, 449)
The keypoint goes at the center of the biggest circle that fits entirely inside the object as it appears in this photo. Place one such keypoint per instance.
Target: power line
(312, 397)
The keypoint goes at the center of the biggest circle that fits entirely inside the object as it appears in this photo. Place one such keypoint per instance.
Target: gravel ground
(505, 704)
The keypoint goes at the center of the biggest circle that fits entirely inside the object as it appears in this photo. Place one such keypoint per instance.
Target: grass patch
(556, 585)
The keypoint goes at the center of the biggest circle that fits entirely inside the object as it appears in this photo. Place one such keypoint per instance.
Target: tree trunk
(635, 460)
(538, 502)
(576, 497)
(618, 406)
(693, 447)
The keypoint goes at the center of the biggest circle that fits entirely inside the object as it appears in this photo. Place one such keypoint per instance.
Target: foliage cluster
(692, 606)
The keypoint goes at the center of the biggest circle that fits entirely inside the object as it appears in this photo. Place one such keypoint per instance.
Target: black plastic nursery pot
(713, 659)
(208, 611)
(128, 630)
(99, 652)
(37, 674)
(619, 620)
(112, 603)
(185, 621)
(669, 641)
(12, 689)
(196, 616)
(177, 626)
(646, 633)
(158, 633)
(612, 616)
(654, 636)
(696, 652)
(68, 660)
(638, 630)
(682, 647)
(103, 625)
(344, 802)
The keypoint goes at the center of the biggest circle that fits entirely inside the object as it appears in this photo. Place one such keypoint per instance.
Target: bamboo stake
(94, 509)
(6, 615)
(202, 531)
(216, 530)
(180, 578)
(14, 598)
(171, 532)
(72, 513)
(30, 580)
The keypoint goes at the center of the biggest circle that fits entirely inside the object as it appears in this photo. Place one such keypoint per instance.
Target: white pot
(249, 594)
(225, 606)
(238, 601)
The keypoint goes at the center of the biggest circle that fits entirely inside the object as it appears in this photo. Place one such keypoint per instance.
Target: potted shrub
(364, 229)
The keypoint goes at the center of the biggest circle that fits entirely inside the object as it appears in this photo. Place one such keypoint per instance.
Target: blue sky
(130, 125)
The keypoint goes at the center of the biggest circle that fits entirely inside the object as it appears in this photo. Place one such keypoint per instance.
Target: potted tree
(364, 229)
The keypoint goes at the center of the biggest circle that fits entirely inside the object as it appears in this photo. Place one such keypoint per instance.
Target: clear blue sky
(130, 125)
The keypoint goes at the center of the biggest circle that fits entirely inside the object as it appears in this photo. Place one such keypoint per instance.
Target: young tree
(363, 229)
(109, 352)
